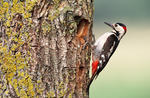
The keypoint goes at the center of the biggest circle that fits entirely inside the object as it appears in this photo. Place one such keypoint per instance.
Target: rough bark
(45, 50)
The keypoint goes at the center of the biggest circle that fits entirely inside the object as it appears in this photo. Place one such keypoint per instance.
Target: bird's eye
(116, 25)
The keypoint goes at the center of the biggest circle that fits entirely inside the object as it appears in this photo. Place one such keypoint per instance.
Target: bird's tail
(91, 80)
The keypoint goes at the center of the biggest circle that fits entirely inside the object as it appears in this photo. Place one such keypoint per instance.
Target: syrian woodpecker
(104, 48)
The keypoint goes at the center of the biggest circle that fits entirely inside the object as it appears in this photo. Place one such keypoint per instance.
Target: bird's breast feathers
(101, 40)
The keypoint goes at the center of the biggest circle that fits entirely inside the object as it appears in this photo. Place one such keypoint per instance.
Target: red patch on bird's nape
(125, 28)
(94, 66)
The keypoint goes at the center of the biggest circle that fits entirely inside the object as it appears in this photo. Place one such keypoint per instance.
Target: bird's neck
(115, 32)
(118, 34)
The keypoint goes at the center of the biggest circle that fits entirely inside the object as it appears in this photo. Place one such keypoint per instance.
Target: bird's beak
(109, 25)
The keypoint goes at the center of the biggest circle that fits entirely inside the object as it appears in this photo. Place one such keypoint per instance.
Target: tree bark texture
(45, 48)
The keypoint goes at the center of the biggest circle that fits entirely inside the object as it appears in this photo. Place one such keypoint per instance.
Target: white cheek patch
(120, 29)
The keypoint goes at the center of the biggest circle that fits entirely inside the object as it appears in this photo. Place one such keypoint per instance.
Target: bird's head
(118, 28)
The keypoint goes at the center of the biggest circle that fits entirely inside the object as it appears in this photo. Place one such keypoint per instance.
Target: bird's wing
(108, 49)
(110, 45)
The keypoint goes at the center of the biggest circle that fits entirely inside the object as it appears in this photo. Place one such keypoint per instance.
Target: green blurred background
(127, 75)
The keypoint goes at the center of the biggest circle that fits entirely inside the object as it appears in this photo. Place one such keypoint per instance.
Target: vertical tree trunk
(45, 48)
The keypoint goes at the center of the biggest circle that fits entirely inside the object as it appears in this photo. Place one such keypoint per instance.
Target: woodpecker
(104, 48)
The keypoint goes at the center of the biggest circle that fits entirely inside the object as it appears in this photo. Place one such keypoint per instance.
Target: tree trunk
(45, 48)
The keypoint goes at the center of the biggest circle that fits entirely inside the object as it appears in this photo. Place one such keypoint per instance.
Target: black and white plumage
(104, 47)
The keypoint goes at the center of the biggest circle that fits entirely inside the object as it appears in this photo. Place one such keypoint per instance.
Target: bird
(104, 47)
